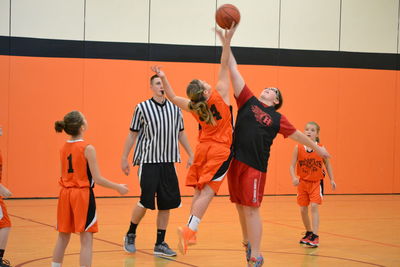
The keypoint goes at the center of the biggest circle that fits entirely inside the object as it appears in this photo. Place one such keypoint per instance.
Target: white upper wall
(117, 21)
(369, 26)
(52, 19)
(5, 17)
(259, 24)
(186, 22)
(310, 24)
(346, 25)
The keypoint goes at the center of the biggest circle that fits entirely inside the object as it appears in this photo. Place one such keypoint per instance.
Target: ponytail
(71, 124)
(198, 102)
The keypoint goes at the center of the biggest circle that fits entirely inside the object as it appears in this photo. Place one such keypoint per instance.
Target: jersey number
(215, 112)
(70, 169)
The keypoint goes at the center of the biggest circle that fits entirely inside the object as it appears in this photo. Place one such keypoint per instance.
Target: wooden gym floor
(356, 230)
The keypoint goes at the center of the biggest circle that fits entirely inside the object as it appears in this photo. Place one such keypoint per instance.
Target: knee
(314, 207)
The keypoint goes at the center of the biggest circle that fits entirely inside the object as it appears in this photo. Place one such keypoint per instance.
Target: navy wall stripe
(22, 46)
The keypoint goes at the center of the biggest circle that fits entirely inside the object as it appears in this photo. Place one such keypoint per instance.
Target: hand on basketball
(4, 192)
(122, 189)
(227, 34)
(125, 166)
(158, 71)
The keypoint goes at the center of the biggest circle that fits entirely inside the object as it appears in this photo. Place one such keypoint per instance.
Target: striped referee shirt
(158, 126)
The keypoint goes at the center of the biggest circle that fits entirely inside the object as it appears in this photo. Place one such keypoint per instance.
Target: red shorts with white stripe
(246, 184)
(309, 191)
(76, 210)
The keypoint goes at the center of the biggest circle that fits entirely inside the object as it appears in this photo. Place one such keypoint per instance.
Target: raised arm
(181, 102)
(236, 78)
(303, 139)
(223, 76)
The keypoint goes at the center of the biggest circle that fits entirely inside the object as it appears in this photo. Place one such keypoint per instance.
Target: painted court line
(214, 249)
(94, 238)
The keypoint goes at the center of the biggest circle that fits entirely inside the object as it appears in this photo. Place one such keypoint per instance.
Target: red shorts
(309, 191)
(76, 210)
(246, 184)
(211, 163)
(4, 219)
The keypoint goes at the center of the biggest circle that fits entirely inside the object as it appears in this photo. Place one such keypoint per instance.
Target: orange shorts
(309, 191)
(76, 210)
(211, 163)
(4, 219)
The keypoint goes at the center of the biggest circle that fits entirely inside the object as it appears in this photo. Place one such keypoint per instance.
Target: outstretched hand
(323, 152)
(226, 34)
(158, 71)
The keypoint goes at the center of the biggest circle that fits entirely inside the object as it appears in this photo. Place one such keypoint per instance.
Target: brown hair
(198, 102)
(153, 77)
(317, 127)
(71, 124)
(280, 98)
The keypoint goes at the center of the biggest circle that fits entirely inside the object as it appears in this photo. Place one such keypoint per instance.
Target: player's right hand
(125, 166)
(123, 189)
(4, 192)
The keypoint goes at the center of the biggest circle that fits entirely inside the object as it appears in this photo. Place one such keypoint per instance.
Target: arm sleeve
(136, 120)
(245, 95)
(286, 128)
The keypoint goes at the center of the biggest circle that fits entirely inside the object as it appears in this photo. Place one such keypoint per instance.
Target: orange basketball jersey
(75, 170)
(1, 166)
(222, 132)
(310, 166)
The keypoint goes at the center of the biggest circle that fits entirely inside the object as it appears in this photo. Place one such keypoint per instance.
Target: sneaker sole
(163, 254)
(181, 243)
(126, 249)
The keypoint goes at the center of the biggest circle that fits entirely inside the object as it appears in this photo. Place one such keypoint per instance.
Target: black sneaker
(129, 243)
(5, 263)
(306, 238)
(164, 250)
(313, 241)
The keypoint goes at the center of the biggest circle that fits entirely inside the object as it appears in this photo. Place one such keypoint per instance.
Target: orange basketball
(226, 14)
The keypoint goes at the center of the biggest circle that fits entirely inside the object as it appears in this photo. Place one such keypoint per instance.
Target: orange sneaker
(185, 235)
(192, 241)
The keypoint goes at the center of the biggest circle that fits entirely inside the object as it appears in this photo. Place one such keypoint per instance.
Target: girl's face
(270, 95)
(84, 125)
(207, 89)
(311, 131)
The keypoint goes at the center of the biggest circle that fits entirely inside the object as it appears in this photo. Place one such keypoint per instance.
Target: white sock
(55, 264)
(193, 223)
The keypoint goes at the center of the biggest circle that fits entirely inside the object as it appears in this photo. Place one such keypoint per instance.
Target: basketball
(226, 14)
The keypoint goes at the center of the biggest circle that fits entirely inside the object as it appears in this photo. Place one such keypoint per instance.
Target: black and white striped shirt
(158, 126)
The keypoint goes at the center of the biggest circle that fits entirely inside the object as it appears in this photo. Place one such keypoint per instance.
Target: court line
(77, 253)
(339, 235)
(95, 238)
(187, 264)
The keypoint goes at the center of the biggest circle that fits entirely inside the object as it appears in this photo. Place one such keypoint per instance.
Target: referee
(156, 128)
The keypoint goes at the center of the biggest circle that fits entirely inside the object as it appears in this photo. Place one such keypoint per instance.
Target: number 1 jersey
(75, 170)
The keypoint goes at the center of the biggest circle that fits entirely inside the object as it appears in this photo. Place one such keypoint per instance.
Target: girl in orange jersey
(211, 108)
(76, 212)
(310, 169)
(5, 224)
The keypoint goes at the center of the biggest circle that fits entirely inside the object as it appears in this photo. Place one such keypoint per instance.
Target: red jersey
(310, 166)
(222, 132)
(75, 170)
